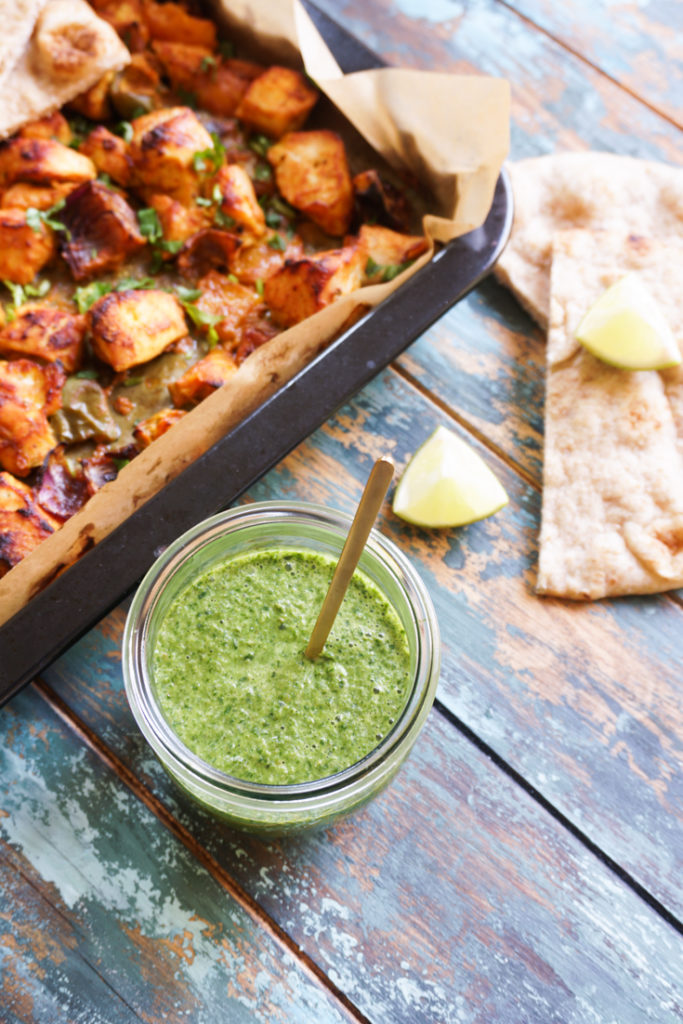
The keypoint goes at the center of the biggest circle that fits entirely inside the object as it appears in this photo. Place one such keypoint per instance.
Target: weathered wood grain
(452, 898)
(105, 916)
(559, 101)
(638, 45)
(582, 700)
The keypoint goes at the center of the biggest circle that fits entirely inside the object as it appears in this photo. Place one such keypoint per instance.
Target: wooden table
(525, 865)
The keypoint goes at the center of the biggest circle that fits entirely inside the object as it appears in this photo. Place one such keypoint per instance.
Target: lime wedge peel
(446, 483)
(626, 328)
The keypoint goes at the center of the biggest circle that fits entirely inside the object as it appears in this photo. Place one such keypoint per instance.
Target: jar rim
(379, 549)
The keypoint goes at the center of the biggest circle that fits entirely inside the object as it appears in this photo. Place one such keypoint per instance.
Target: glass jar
(263, 526)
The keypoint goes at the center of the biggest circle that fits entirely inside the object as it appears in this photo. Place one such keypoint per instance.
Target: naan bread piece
(18, 18)
(591, 190)
(612, 513)
(69, 50)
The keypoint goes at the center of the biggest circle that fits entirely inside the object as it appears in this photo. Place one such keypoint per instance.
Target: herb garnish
(214, 156)
(35, 218)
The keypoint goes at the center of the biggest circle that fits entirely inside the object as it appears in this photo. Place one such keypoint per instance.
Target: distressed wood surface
(525, 865)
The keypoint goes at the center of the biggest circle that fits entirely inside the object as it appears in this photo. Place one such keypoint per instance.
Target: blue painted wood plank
(452, 897)
(106, 916)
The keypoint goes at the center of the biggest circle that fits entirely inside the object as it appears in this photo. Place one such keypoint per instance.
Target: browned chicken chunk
(29, 393)
(94, 103)
(302, 288)
(52, 126)
(45, 332)
(239, 199)
(312, 173)
(387, 250)
(218, 84)
(178, 222)
(172, 21)
(278, 101)
(203, 378)
(226, 304)
(126, 17)
(42, 162)
(164, 150)
(150, 429)
(109, 153)
(24, 196)
(23, 523)
(211, 249)
(131, 327)
(102, 230)
(24, 248)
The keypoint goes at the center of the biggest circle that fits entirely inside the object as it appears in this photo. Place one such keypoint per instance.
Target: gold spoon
(366, 513)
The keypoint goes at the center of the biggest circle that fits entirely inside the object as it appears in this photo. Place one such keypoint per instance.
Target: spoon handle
(366, 513)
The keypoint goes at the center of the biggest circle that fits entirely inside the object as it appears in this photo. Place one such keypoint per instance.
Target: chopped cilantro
(87, 295)
(214, 156)
(104, 178)
(224, 220)
(387, 272)
(120, 463)
(172, 245)
(201, 201)
(132, 382)
(277, 242)
(260, 144)
(258, 284)
(150, 225)
(263, 172)
(125, 130)
(186, 294)
(34, 218)
(39, 289)
(208, 63)
(86, 375)
(201, 319)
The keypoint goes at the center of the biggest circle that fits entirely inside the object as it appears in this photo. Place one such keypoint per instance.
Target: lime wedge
(447, 484)
(626, 328)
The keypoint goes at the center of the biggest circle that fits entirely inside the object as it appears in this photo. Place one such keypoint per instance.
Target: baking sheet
(82, 594)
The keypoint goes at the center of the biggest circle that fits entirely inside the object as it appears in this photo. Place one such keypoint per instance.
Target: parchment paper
(449, 131)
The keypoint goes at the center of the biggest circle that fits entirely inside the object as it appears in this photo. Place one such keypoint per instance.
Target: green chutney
(234, 684)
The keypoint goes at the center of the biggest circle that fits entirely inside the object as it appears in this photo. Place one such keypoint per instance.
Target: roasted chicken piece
(203, 378)
(171, 21)
(126, 17)
(52, 126)
(255, 262)
(239, 199)
(165, 150)
(24, 196)
(178, 222)
(109, 153)
(29, 393)
(312, 173)
(278, 101)
(380, 202)
(154, 426)
(386, 251)
(42, 162)
(226, 304)
(45, 332)
(23, 523)
(211, 249)
(94, 103)
(301, 288)
(131, 327)
(218, 84)
(102, 230)
(24, 248)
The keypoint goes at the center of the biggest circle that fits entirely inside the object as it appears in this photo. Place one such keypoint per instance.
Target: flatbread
(612, 511)
(18, 21)
(590, 190)
(69, 49)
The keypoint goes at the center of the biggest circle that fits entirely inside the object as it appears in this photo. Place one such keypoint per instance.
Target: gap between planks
(589, 63)
(183, 834)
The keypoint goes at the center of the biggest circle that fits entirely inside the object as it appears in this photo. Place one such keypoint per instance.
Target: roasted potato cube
(45, 332)
(386, 250)
(203, 378)
(278, 101)
(229, 300)
(52, 126)
(103, 230)
(178, 222)
(131, 327)
(312, 173)
(218, 84)
(163, 150)
(239, 199)
(23, 523)
(302, 288)
(23, 196)
(154, 426)
(109, 153)
(126, 17)
(29, 393)
(257, 261)
(42, 162)
(171, 21)
(211, 249)
(94, 102)
(24, 250)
